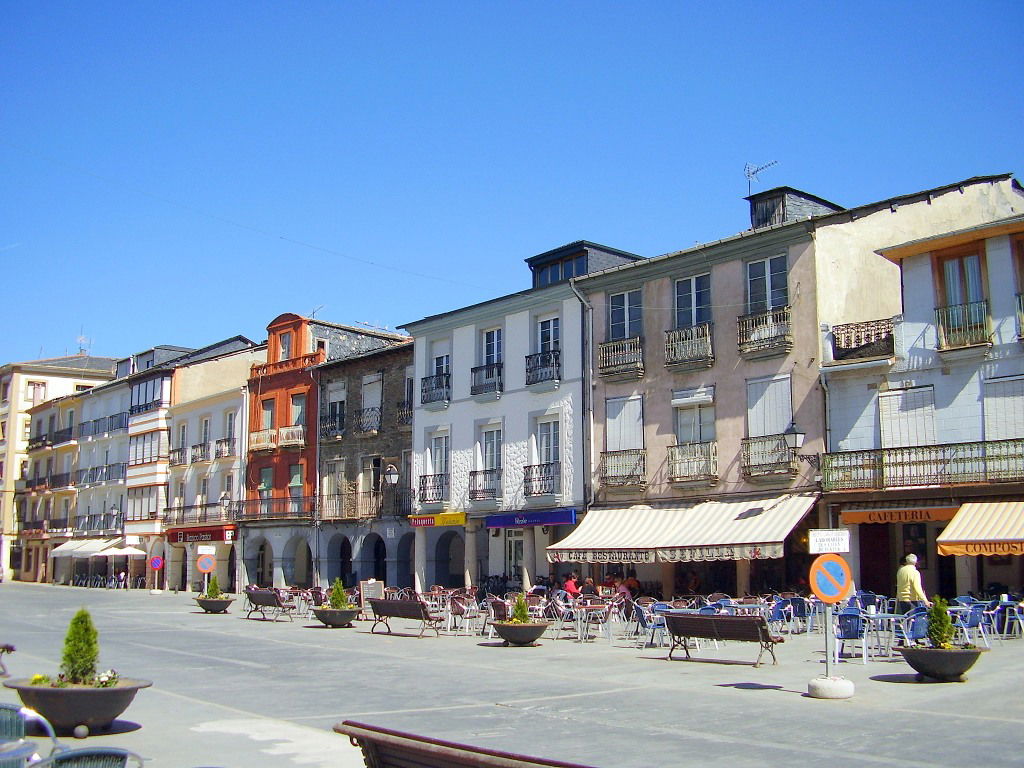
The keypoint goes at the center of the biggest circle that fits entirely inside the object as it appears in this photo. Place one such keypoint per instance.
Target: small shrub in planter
(520, 629)
(213, 600)
(339, 611)
(944, 661)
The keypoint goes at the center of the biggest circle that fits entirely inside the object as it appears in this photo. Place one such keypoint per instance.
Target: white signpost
(825, 540)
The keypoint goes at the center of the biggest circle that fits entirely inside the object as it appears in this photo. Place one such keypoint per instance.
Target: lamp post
(795, 440)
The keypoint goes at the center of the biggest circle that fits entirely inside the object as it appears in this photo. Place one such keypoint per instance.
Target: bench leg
(766, 646)
(380, 620)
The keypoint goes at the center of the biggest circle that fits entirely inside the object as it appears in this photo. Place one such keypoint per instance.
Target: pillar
(469, 555)
(277, 565)
(419, 560)
(966, 574)
(529, 558)
(668, 580)
(742, 578)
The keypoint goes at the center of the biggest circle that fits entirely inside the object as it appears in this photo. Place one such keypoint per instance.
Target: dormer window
(285, 345)
(557, 271)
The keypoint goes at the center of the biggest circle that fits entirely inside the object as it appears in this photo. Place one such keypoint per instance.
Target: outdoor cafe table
(882, 624)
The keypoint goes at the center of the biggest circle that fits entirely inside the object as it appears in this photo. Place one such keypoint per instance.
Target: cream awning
(985, 528)
(752, 529)
(67, 548)
(121, 552)
(85, 547)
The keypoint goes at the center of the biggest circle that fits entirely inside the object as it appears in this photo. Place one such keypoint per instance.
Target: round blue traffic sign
(830, 578)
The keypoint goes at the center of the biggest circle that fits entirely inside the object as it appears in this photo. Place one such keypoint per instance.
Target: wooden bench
(262, 600)
(384, 748)
(416, 610)
(748, 629)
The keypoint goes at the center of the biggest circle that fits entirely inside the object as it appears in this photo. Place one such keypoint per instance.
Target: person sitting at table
(589, 588)
(621, 588)
(631, 583)
(570, 585)
(692, 585)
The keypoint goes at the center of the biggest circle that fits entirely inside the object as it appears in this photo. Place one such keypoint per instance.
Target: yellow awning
(985, 528)
(753, 529)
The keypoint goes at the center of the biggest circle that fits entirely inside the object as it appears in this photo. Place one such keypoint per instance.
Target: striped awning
(65, 549)
(752, 529)
(83, 547)
(985, 528)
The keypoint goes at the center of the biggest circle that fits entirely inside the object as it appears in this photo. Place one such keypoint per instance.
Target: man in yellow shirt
(909, 591)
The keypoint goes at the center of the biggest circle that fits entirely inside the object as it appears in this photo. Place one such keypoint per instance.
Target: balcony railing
(117, 422)
(368, 419)
(1020, 316)
(963, 325)
(224, 447)
(291, 364)
(990, 461)
(332, 426)
(58, 524)
(103, 425)
(101, 474)
(403, 412)
(542, 479)
(293, 436)
(39, 441)
(484, 484)
(82, 476)
(369, 504)
(764, 332)
(873, 338)
(692, 462)
(60, 480)
(100, 522)
(200, 452)
(624, 468)
(263, 440)
(544, 366)
(766, 456)
(152, 405)
(433, 488)
(624, 356)
(689, 346)
(197, 514)
(63, 435)
(436, 389)
(486, 379)
(177, 456)
(277, 508)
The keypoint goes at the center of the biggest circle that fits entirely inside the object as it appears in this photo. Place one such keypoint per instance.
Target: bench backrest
(396, 748)
(744, 628)
(264, 598)
(402, 609)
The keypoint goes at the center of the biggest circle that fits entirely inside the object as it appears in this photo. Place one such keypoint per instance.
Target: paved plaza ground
(230, 692)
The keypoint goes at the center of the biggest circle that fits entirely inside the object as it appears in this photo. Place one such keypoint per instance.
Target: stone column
(278, 569)
(187, 564)
(529, 573)
(469, 555)
(742, 578)
(419, 559)
(668, 580)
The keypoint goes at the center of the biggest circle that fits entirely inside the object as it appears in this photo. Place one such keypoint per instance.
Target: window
(439, 454)
(548, 442)
(625, 317)
(490, 449)
(295, 481)
(907, 417)
(204, 491)
(693, 301)
(298, 410)
(334, 478)
(227, 486)
(372, 390)
(183, 435)
(766, 285)
(574, 266)
(3, 429)
(267, 414)
(285, 343)
(35, 392)
(410, 384)
(266, 486)
(229, 425)
(5, 390)
(144, 503)
(26, 429)
(147, 448)
(204, 431)
(769, 406)
(695, 415)
(440, 356)
(548, 334)
(624, 423)
(369, 474)
(491, 352)
(147, 395)
(179, 494)
(1004, 408)
(960, 279)
(83, 387)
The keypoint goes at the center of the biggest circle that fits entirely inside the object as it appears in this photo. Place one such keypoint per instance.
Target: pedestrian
(909, 592)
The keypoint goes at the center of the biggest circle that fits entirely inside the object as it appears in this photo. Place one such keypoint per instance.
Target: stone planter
(520, 634)
(214, 604)
(946, 666)
(66, 708)
(336, 617)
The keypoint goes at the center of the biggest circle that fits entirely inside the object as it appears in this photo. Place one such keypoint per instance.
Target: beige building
(22, 386)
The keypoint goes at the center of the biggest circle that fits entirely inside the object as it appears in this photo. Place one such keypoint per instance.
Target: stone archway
(297, 564)
(373, 554)
(405, 560)
(449, 560)
(262, 572)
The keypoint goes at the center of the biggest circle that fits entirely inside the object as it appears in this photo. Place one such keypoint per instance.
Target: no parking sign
(830, 578)
(206, 563)
(156, 562)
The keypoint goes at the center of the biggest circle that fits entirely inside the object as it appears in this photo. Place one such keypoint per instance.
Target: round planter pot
(65, 708)
(336, 617)
(946, 666)
(215, 604)
(519, 634)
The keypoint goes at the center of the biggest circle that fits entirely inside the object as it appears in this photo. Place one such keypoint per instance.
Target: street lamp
(795, 441)
(391, 475)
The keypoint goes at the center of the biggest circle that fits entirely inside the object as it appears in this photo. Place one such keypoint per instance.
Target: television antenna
(750, 171)
(313, 313)
(84, 342)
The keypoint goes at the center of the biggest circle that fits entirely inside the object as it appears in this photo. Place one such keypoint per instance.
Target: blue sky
(177, 173)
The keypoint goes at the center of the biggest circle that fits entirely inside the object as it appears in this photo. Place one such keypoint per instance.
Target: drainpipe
(587, 404)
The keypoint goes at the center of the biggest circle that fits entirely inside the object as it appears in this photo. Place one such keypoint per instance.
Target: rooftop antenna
(313, 313)
(84, 342)
(750, 171)
(374, 327)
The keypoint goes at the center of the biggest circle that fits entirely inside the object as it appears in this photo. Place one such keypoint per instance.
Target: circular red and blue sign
(830, 578)
(156, 562)
(206, 563)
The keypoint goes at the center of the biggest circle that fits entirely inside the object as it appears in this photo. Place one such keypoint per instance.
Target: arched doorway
(345, 562)
(232, 565)
(449, 560)
(302, 559)
(380, 560)
(405, 556)
(264, 565)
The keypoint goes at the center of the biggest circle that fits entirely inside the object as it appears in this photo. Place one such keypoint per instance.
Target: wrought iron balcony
(152, 405)
(63, 435)
(37, 483)
(225, 447)
(762, 334)
(368, 420)
(198, 514)
(486, 379)
(60, 480)
(689, 347)
(404, 411)
(693, 462)
(624, 468)
(433, 488)
(291, 364)
(484, 484)
(363, 505)
(117, 422)
(176, 457)
(277, 508)
(32, 526)
(436, 389)
(544, 366)
(58, 524)
(624, 357)
(767, 456)
(200, 452)
(263, 440)
(100, 523)
(114, 472)
(292, 437)
(83, 476)
(332, 425)
(873, 338)
(39, 441)
(542, 479)
(992, 461)
(963, 325)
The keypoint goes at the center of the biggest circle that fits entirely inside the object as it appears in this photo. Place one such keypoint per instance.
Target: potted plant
(339, 611)
(520, 629)
(941, 660)
(79, 699)
(213, 600)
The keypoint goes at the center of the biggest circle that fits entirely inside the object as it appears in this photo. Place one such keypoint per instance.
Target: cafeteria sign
(431, 521)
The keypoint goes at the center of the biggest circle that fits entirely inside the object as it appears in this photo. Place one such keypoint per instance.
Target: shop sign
(822, 540)
(529, 517)
(189, 535)
(601, 556)
(920, 515)
(443, 518)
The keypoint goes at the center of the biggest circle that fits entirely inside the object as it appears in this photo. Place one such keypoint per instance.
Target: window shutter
(907, 417)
